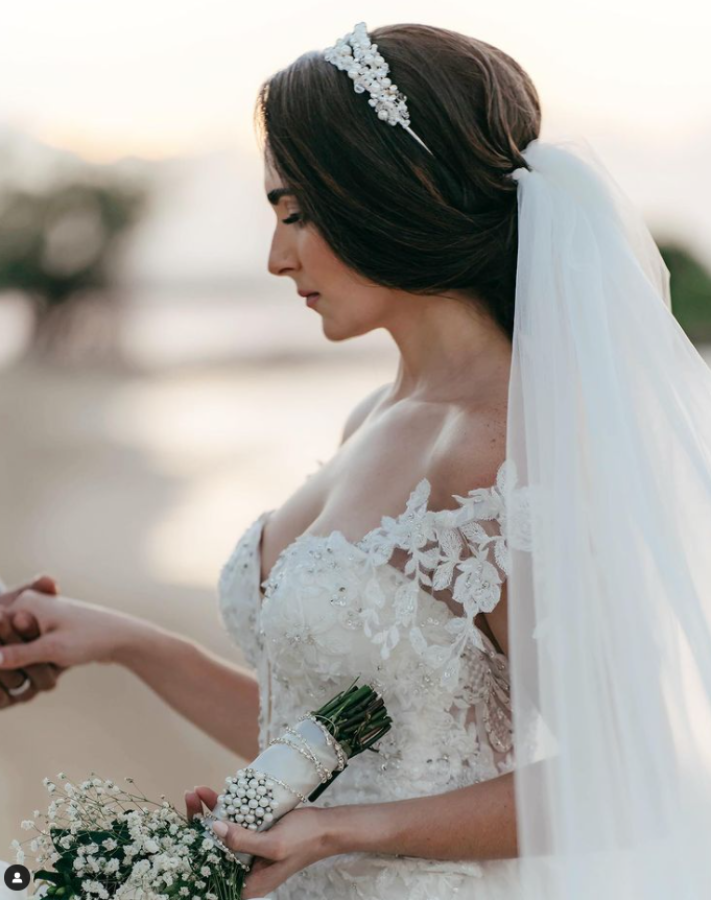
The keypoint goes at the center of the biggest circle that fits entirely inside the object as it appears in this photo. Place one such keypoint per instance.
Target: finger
(14, 678)
(25, 624)
(193, 805)
(19, 656)
(45, 584)
(207, 795)
(42, 676)
(242, 840)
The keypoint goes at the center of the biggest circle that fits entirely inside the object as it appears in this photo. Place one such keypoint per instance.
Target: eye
(294, 218)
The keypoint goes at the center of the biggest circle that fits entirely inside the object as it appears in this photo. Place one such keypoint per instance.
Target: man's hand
(19, 627)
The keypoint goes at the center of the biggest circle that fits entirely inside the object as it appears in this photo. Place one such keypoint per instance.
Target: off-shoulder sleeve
(458, 556)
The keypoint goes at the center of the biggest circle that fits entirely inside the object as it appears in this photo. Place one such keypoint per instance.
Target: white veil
(609, 598)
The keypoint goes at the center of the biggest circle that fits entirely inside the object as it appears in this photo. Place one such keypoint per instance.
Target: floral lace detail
(358, 876)
(398, 609)
(448, 550)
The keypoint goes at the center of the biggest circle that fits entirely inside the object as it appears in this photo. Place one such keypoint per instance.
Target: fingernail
(220, 828)
(2, 657)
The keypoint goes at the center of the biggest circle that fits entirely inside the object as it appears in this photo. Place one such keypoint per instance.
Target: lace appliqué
(448, 550)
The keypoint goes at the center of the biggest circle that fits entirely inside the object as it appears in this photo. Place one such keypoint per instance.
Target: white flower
(205, 871)
(151, 846)
(27, 824)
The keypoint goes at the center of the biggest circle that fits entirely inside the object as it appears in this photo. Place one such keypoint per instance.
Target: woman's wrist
(134, 638)
(349, 829)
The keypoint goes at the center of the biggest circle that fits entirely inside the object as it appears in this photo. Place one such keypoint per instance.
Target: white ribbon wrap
(287, 764)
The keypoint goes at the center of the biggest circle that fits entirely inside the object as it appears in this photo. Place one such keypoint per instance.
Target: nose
(282, 258)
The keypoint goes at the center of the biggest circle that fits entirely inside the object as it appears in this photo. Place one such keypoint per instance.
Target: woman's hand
(15, 630)
(72, 632)
(296, 841)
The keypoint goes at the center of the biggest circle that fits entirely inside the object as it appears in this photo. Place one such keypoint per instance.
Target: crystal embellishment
(357, 55)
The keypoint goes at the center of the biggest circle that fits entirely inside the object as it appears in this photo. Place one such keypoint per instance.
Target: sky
(162, 77)
(177, 79)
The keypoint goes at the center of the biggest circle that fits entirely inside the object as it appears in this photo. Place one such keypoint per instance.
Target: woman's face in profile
(347, 305)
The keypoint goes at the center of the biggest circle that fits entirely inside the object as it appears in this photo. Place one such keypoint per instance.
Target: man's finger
(45, 584)
(12, 679)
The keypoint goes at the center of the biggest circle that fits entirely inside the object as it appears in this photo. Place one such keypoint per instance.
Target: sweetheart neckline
(494, 647)
(358, 543)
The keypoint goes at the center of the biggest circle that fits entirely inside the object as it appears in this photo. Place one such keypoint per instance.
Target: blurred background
(158, 388)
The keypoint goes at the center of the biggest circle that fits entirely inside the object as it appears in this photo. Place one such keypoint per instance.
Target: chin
(344, 331)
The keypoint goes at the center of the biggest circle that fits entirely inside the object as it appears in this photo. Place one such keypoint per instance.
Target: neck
(448, 350)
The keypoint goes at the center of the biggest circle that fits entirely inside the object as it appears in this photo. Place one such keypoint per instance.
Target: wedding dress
(396, 608)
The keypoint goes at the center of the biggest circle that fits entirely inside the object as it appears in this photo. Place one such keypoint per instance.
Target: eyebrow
(275, 196)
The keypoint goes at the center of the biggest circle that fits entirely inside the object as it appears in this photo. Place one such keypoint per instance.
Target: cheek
(321, 264)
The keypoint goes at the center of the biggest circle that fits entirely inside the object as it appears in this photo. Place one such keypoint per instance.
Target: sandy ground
(132, 490)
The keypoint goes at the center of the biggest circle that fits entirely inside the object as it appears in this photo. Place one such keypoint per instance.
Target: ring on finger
(17, 691)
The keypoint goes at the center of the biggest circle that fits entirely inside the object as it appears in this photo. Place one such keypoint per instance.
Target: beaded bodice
(396, 608)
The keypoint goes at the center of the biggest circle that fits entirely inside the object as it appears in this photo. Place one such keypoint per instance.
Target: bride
(406, 558)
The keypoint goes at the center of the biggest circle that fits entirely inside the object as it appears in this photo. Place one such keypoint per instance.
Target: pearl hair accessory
(360, 58)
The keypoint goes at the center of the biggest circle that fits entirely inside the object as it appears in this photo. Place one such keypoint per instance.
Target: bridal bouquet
(100, 842)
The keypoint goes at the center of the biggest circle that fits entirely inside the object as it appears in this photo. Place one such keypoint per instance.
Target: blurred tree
(690, 286)
(57, 245)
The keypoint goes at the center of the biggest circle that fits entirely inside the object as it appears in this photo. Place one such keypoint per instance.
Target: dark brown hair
(391, 211)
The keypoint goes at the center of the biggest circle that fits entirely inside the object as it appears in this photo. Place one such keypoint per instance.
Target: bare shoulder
(362, 409)
(468, 453)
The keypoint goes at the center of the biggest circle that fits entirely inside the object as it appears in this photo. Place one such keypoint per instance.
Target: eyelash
(294, 218)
